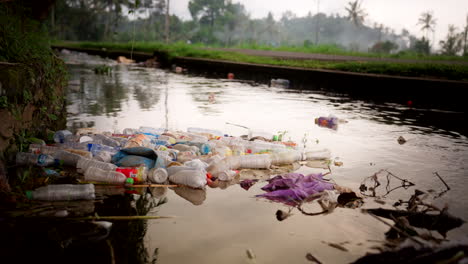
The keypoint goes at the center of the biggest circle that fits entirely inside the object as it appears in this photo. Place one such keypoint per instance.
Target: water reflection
(436, 141)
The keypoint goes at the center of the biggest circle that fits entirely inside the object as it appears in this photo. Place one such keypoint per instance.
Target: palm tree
(427, 22)
(465, 38)
(355, 13)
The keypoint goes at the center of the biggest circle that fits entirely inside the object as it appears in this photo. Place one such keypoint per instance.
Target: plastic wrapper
(293, 188)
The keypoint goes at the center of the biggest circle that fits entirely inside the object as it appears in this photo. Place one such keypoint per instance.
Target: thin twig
(397, 229)
(152, 185)
(311, 214)
(237, 125)
(446, 185)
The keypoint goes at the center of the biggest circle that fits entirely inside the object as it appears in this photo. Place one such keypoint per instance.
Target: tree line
(226, 23)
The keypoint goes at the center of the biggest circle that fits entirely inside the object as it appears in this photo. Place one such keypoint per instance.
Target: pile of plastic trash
(158, 156)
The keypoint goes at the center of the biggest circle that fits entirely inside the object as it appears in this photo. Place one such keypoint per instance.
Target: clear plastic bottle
(104, 156)
(199, 130)
(40, 149)
(96, 148)
(82, 153)
(107, 176)
(192, 178)
(23, 158)
(106, 140)
(152, 130)
(68, 158)
(129, 131)
(63, 136)
(57, 192)
(226, 175)
(73, 145)
(260, 161)
(157, 175)
(83, 164)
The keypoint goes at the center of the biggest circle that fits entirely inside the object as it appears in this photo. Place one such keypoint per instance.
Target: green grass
(419, 69)
(332, 49)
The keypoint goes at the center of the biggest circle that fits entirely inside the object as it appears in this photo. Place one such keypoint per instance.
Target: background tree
(465, 38)
(427, 22)
(453, 42)
(356, 14)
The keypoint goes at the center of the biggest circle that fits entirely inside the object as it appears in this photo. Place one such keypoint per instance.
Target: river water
(220, 224)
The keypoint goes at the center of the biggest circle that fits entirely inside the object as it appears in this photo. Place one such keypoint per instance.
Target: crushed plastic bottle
(63, 136)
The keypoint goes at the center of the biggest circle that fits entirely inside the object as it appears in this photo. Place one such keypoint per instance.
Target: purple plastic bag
(293, 188)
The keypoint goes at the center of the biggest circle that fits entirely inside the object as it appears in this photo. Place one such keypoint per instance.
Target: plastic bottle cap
(129, 181)
(29, 194)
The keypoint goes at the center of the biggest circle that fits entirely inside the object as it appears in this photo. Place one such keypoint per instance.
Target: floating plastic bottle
(96, 148)
(129, 131)
(106, 140)
(197, 164)
(157, 175)
(107, 176)
(58, 192)
(104, 156)
(63, 136)
(192, 178)
(23, 158)
(68, 158)
(199, 130)
(138, 140)
(260, 161)
(138, 174)
(280, 83)
(73, 145)
(82, 153)
(286, 157)
(40, 149)
(226, 175)
(83, 164)
(152, 130)
(329, 122)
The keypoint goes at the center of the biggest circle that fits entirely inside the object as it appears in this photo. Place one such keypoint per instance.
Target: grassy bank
(426, 69)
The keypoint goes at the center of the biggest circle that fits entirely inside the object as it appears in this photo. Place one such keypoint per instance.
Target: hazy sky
(396, 14)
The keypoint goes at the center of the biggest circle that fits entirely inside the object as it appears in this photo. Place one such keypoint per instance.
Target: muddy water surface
(218, 225)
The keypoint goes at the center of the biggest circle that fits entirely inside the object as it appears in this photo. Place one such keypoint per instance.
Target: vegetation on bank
(419, 69)
(32, 79)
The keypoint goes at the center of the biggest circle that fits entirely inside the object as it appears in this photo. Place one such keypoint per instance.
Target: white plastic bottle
(23, 158)
(100, 175)
(226, 175)
(157, 175)
(83, 164)
(192, 178)
(68, 158)
(257, 161)
(57, 192)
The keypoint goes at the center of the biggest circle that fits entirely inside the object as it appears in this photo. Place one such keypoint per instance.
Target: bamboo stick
(122, 217)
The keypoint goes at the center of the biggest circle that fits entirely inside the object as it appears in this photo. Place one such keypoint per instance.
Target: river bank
(426, 90)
